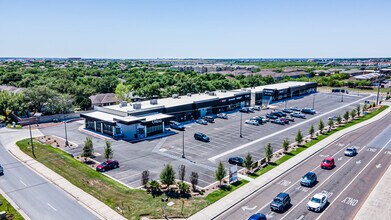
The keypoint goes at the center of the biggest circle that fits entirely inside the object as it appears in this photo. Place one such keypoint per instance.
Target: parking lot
(225, 140)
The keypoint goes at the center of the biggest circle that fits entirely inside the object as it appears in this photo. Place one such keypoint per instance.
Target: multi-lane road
(347, 185)
(37, 197)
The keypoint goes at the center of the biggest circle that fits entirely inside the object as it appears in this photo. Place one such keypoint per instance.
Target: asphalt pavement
(38, 198)
(347, 184)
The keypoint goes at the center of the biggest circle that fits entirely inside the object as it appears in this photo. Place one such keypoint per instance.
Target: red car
(328, 163)
(284, 120)
(107, 165)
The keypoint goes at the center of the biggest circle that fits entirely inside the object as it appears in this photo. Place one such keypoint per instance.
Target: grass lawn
(9, 209)
(137, 203)
(314, 141)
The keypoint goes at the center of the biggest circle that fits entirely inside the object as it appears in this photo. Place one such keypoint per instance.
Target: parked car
(298, 115)
(107, 165)
(209, 119)
(286, 121)
(202, 121)
(264, 119)
(334, 118)
(309, 179)
(236, 161)
(252, 122)
(260, 119)
(277, 121)
(295, 109)
(281, 202)
(250, 109)
(245, 110)
(201, 137)
(350, 151)
(308, 111)
(287, 110)
(327, 163)
(278, 114)
(257, 108)
(222, 115)
(177, 126)
(257, 216)
(318, 202)
(1, 170)
(289, 118)
(271, 116)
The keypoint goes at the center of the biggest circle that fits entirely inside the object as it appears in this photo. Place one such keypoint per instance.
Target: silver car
(350, 151)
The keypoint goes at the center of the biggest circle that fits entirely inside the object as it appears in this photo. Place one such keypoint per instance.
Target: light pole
(241, 118)
(378, 89)
(313, 102)
(183, 143)
(32, 145)
(341, 96)
(285, 103)
(164, 200)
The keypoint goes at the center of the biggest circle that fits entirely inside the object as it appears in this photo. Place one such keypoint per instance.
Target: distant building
(11, 89)
(103, 99)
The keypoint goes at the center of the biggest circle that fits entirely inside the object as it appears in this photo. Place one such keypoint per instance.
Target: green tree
(194, 180)
(38, 96)
(154, 186)
(183, 187)
(285, 144)
(88, 148)
(358, 109)
(122, 92)
(167, 176)
(108, 151)
(220, 172)
(339, 119)
(330, 124)
(346, 116)
(299, 137)
(268, 152)
(311, 131)
(248, 161)
(321, 126)
(365, 107)
(353, 113)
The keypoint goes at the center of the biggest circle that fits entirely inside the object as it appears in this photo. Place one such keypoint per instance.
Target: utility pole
(241, 118)
(183, 143)
(66, 133)
(313, 102)
(32, 145)
(165, 200)
(285, 103)
(378, 89)
(341, 96)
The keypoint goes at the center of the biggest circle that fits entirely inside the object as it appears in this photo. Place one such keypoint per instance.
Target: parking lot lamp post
(183, 144)
(241, 122)
(285, 103)
(66, 133)
(32, 144)
(313, 102)
(342, 96)
(164, 200)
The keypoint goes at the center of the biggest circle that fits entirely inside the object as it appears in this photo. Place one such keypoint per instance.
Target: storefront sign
(156, 121)
(233, 99)
(268, 91)
(233, 173)
(239, 97)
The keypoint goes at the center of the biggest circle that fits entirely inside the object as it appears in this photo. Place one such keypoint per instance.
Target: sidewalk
(377, 205)
(247, 190)
(97, 207)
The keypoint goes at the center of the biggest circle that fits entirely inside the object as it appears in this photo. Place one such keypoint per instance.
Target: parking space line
(282, 130)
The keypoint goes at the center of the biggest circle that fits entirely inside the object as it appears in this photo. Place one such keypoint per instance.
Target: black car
(259, 119)
(281, 113)
(236, 161)
(308, 111)
(1, 170)
(201, 137)
(281, 202)
(245, 110)
(298, 115)
(287, 110)
(257, 216)
(209, 119)
(271, 116)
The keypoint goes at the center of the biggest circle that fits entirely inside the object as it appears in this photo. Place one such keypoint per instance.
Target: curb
(16, 207)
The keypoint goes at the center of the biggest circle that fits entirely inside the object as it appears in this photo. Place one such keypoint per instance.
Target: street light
(165, 200)
(32, 145)
(241, 122)
(313, 102)
(66, 133)
(183, 143)
(341, 96)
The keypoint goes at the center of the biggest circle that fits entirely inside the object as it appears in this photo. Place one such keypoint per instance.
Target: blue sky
(195, 29)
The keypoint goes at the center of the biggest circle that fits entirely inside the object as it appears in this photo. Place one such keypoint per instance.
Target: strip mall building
(139, 120)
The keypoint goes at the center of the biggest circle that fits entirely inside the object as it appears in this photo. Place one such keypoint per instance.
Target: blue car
(258, 216)
(309, 179)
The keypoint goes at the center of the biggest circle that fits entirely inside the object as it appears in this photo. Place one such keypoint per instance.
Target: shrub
(268, 152)
(167, 176)
(88, 148)
(220, 172)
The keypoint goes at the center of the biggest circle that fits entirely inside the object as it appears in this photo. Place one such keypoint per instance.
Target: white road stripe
(51, 207)
(336, 198)
(23, 183)
(212, 159)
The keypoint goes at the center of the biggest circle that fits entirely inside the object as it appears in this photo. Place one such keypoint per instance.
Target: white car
(317, 203)
(252, 122)
(258, 108)
(222, 115)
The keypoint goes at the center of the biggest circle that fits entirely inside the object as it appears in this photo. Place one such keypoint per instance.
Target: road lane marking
(305, 198)
(51, 207)
(317, 167)
(246, 208)
(378, 166)
(23, 183)
(282, 130)
(358, 162)
(284, 183)
(350, 201)
(354, 179)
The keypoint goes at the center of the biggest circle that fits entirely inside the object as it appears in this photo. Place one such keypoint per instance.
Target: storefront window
(155, 129)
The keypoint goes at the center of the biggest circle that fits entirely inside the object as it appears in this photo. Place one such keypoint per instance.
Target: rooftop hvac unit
(137, 105)
(188, 94)
(123, 103)
(175, 96)
(224, 91)
(153, 101)
(207, 92)
(212, 93)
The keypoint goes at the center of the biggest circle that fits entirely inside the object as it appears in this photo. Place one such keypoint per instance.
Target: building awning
(99, 117)
(159, 116)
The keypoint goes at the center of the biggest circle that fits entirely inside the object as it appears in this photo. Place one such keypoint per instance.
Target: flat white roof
(284, 85)
(102, 116)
